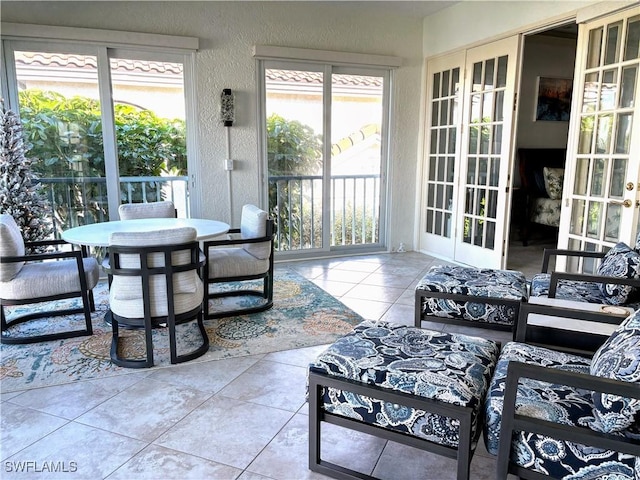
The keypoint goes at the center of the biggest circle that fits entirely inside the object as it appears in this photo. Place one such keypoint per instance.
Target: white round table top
(97, 234)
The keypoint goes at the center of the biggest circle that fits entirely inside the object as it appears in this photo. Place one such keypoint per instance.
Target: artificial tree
(20, 193)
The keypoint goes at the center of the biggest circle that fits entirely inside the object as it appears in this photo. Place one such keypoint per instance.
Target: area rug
(303, 315)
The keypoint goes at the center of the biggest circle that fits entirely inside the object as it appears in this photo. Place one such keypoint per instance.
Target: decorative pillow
(623, 262)
(553, 180)
(11, 245)
(619, 359)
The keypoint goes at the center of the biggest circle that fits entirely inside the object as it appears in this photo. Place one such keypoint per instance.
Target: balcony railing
(297, 202)
(83, 200)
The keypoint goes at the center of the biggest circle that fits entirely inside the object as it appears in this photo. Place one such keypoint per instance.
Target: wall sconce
(227, 112)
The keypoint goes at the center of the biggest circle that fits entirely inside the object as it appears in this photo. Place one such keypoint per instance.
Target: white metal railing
(83, 200)
(296, 202)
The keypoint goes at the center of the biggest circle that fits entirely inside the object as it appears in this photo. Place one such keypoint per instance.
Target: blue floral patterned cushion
(452, 368)
(558, 403)
(623, 262)
(476, 282)
(553, 180)
(618, 358)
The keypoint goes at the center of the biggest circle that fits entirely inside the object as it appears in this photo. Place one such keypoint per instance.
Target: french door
(601, 198)
(465, 198)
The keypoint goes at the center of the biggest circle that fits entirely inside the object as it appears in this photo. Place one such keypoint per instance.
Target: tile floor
(242, 418)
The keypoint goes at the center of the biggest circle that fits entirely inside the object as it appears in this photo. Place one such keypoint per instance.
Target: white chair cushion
(235, 262)
(131, 211)
(254, 225)
(11, 245)
(49, 278)
(125, 294)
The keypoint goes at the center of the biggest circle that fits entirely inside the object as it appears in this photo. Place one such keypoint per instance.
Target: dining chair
(245, 256)
(156, 282)
(132, 211)
(54, 275)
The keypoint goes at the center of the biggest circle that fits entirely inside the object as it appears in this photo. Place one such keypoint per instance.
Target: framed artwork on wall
(554, 99)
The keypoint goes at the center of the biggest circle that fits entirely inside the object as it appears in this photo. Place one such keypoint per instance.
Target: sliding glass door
(104, 126)
(325, 155)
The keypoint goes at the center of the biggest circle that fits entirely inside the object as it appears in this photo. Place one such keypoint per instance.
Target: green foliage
(293, 149)
(64, 136)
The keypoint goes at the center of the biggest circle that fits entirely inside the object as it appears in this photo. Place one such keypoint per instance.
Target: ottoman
(410, 385)
(488, 298)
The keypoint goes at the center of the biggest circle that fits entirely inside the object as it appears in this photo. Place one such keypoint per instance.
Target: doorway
(548, 58)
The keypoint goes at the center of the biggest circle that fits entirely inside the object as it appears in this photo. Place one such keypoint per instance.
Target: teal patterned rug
(303, 315)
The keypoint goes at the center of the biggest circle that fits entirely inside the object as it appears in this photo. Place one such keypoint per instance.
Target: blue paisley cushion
(558, 403)
(572, 290)
(618, 358)
(623, 262)
(482, 283)
(452, 368)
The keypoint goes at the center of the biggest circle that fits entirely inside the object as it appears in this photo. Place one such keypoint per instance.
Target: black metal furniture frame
(148, 322)
(88, 304)
(457, 297)
(512, 422)
(267, 290)
(317, 415)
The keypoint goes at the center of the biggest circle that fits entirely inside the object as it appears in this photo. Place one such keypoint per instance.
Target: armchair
(155, 281)
(616, 280)
(247, 257)
(561, 415)
(43, 277)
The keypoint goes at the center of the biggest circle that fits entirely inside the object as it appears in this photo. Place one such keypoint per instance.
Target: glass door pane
(604, 193)
(294, 120)
(356, 158)
(149, 112)
(61, 115)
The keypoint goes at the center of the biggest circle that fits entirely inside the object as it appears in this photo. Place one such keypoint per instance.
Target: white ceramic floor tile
(382, 294)
(145, 410)
(226, 430)
(156, 462)
(271, 384)
(300, 357)
(77, 452)
(368, 309)
(20, 427)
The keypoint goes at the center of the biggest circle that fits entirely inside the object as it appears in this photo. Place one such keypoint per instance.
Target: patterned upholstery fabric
(452, 368)
(558, 403)
(488, 283)
(546, 211)
(618, 358)
(11, 245)
(553, 180)
(622, 262)
(569, 290)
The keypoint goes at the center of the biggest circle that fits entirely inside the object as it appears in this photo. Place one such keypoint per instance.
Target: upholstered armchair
(43, 277)
(616, 280)
(561, 415)
(131, 211)
(155, 282)
(246, 255)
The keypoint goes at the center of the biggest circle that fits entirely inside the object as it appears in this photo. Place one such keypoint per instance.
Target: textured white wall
(227, 32)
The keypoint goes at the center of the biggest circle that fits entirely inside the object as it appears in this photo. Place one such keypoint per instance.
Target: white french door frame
(490, 250)
(577, 230)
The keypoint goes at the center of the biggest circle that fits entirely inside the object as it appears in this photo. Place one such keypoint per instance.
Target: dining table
(98, 234)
